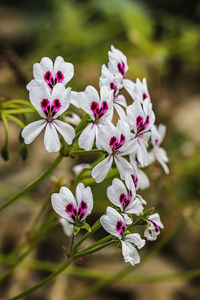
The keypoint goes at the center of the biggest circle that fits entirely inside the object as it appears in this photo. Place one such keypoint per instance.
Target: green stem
(59, 270)
(72, 244)
(23, 102)
(34, 183)
(82, 123)
(94, 228)
(5, 123)
(102, 241)
(46, 226)
(83, 252)
(19, 111)
(14, 119)
(96, 274)
(127, 270)
(81, 151)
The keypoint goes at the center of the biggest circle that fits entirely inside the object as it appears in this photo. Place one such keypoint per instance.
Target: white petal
(61, 200)
(66, 68)
(32, 84)
(75, 99)
(92, 93)
(51, 139)
(86, 139)
(123, 166)
(64, 95)
(100, 171)
(115, 190)
(135, 207)
(156, 218)
(73, 119)
(120, 111)
(36, 95)
(66, 226)
(67, 196)
(39, 69)
(135, 239)
(143, 181)
(32, 130)
(121, 100)
(85, 194)
(129, 86)
(127, 219)
(110, 226)
(113, 214)
(66, 130)
(130, 253)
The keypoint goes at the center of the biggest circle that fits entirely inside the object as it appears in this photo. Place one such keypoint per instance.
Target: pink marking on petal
(82, 209)
(115, 145)
(144, 96)
(124, 201)
(120, 227)
(156, 228)
(48, 77)
(121, 67)
(59, 77)
(113, 87)
(141, 124)
(71, 211)
(98, 112)
(135, 180)
(45, 105)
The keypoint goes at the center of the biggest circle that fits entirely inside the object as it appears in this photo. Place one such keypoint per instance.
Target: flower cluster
(129, 145)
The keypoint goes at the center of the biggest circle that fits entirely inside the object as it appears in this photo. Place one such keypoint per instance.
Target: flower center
(120, 227)
(115, 145)
(99, 112)
(121, 67)
(50, 109)
(141, 124)
(51, 81)
(76, 215)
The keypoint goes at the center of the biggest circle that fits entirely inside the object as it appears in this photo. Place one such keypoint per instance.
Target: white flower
(116, 141)
(51, 74)
(79, 168)
(73, 119)
(114, 84)
(117, 64)
(139, 90)
(141, 119)
(152, 229)
(115, 224)
(73, 210)
(66, 226)
(128, 202)
(49, 106)
(100, 111)
(157, 152)
(137, 178)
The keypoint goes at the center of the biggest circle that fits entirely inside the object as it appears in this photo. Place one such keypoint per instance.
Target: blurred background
(161, 40)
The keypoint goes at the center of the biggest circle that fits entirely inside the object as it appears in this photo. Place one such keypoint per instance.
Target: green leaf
(86, 226)
(76, 229)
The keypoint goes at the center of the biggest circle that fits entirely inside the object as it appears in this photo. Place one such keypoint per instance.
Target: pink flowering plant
(125, 147)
